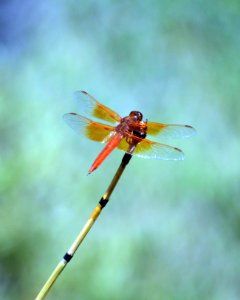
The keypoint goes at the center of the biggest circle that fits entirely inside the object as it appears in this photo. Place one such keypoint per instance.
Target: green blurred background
(171, 229)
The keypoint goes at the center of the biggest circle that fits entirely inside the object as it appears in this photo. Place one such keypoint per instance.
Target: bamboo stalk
(86, 228)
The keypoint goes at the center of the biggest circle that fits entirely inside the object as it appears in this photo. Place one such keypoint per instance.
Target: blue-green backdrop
(171, 229)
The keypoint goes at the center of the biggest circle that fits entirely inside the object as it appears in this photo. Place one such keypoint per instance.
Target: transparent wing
(92, 130)
(170, 130)
(94, 108)
(153, 150)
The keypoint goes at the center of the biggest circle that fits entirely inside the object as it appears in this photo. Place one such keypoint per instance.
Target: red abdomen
(111, 145)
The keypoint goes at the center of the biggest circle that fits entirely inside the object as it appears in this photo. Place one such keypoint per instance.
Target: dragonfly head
(136, 115)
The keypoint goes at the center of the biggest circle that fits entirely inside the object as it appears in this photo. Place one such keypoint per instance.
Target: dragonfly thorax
(132, 127)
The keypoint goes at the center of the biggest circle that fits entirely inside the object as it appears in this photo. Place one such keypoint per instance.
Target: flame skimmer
(128, 134)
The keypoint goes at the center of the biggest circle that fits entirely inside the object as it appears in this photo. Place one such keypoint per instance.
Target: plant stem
(86, 228)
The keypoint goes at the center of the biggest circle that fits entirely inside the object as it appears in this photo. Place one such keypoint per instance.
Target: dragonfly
(125, 133)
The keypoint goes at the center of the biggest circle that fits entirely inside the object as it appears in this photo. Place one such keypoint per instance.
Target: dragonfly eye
(136, 115)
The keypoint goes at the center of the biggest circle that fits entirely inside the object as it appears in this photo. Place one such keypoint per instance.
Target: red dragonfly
(128, 133)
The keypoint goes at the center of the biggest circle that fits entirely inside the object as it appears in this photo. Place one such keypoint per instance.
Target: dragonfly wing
(148, 149)
(94, 108)
(170, 130)
(93, 130)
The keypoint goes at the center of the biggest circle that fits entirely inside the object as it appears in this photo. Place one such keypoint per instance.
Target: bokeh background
(171, 229)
